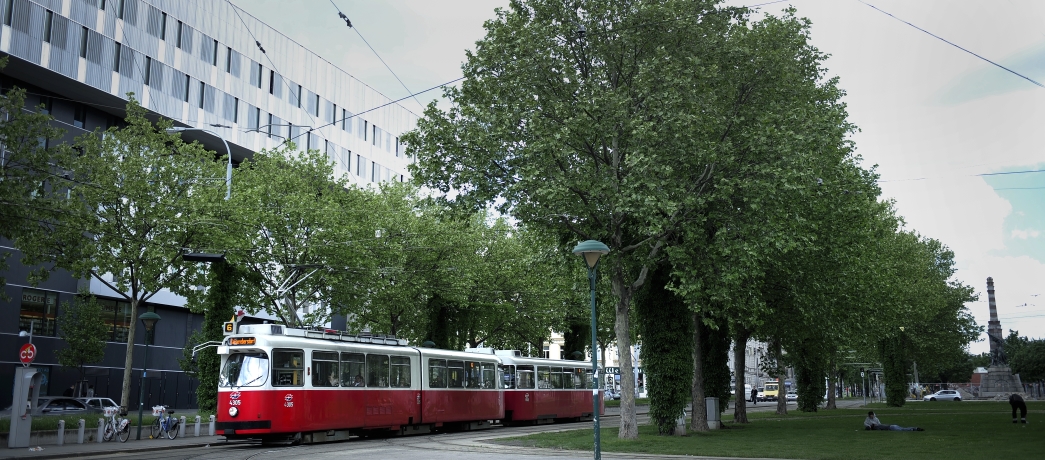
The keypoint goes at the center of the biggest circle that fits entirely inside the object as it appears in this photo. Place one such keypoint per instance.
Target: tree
(1029, 361)
(31, 177)
(137, 197)
(217, 307)
(597, 122)
(299, 237)
(83, 332)
(666, 351)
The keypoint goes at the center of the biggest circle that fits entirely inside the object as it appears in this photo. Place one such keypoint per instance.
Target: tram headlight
(233, 412)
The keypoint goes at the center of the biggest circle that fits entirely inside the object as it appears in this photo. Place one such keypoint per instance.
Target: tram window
(557, 380)
(489, 376)
(245, 370)
(524, 377)
(377, 371)
(400, 372)
(437, 373)
(580, 379)
(544, 377)
(508, 373)
(352, 370)
(287, 368)
(324, 369)
(455, 374)
(590, 381)
(471, 374)
(500, 377)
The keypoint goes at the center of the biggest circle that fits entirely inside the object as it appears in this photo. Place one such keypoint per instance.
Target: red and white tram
(282, 383)
(278, 383)
(544, 390)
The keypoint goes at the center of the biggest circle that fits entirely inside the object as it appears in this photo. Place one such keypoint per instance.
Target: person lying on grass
(872, 423)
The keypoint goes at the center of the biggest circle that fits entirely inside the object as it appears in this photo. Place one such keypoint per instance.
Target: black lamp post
(591, 250)
(149, 320)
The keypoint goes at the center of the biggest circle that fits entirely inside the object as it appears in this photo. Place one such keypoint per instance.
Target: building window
(116, 57)
(163, 26)
(315, 107)
(228, 60)
(547, 352)
(359, 165)
(117, 315)
(299, 97)
(214, 55)
(373, 171)
(80, 116)
(83, 42)
(8, 9)
(203, 91)
(48, 17)
(38, 311)
(119, 8)
(148, 69)
(255, 73)
(272, 82)
(253, 118)
(46, 104)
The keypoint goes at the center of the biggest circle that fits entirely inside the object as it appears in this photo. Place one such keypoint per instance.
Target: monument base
(1000, 381)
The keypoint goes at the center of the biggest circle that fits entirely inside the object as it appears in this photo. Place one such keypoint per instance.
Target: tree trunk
(698, 418)
(781, 400)
(629, 428)
(128, 360)
(739, 361)
(831, 386)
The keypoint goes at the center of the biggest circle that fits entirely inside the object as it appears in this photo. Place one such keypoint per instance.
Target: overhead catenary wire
(350, 26)
(274, 68)
(955, 45)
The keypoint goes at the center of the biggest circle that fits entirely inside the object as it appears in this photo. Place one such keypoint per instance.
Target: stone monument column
(994, 334)
(999, 382)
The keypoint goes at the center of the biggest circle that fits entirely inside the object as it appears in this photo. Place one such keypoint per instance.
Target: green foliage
(217, 307)
(1029, 361)
(32, 187)
(81, 327)
(667, 347)
(895, 366)
(295, 223)
(715, 346)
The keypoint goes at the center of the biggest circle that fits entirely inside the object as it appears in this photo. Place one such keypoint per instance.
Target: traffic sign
(27, 354)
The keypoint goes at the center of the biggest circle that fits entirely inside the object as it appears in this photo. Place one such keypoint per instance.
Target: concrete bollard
(101, 430)
(211, 425)
(197, 431)
(181, 427)
(80, 426)
(61, 432)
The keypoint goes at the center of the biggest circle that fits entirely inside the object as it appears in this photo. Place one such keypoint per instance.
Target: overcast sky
(932, 117)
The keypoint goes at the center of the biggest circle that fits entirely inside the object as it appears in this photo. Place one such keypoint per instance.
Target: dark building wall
(165, 383)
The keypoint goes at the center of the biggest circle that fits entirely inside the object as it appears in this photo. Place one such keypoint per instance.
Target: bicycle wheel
(124, 433)
(155, 432)
(109, 431)
(172, 428)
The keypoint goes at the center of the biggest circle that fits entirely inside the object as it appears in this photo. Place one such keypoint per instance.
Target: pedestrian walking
(754, 396)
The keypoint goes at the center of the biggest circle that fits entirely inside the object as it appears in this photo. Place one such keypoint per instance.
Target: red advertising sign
(27, 354)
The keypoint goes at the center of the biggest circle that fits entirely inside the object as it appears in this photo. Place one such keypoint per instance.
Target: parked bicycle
(165, 423)
(116, 427)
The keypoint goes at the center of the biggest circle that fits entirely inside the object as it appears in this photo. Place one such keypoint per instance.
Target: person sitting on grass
(872, 423)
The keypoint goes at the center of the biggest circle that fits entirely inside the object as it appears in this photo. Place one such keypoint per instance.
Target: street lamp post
(591, 250)
(228, 169)
(149, 320)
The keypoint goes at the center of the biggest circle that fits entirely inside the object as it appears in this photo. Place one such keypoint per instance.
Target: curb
(113, 451)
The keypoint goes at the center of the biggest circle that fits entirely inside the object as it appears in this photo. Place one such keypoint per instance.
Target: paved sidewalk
(111, 448)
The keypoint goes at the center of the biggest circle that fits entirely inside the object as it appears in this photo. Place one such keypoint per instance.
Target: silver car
(98, 403)
(943, 395)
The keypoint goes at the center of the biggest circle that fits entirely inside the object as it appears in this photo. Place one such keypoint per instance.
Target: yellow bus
(772, 390)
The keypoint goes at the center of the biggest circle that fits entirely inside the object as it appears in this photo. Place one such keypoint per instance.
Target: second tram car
(544, 390)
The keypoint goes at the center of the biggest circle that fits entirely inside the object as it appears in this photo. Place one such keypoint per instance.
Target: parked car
(611, 394)
(98, 403)
(792, 396)
(761, 394)
(944, 395)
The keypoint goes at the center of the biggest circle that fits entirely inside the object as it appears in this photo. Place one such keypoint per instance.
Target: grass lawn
(952, 431)
(638, 402)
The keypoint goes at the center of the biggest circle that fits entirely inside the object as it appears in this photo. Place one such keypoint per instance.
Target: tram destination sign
(242, 341)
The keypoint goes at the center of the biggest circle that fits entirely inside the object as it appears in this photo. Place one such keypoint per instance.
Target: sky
(948, 132)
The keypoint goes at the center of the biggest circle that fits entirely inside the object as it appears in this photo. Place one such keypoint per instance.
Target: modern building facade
(203, 64)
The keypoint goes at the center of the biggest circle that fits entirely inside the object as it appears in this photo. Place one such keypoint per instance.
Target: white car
(944, 395)
(792, 396)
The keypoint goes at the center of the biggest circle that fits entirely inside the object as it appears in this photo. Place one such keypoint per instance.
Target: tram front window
(245, 370)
